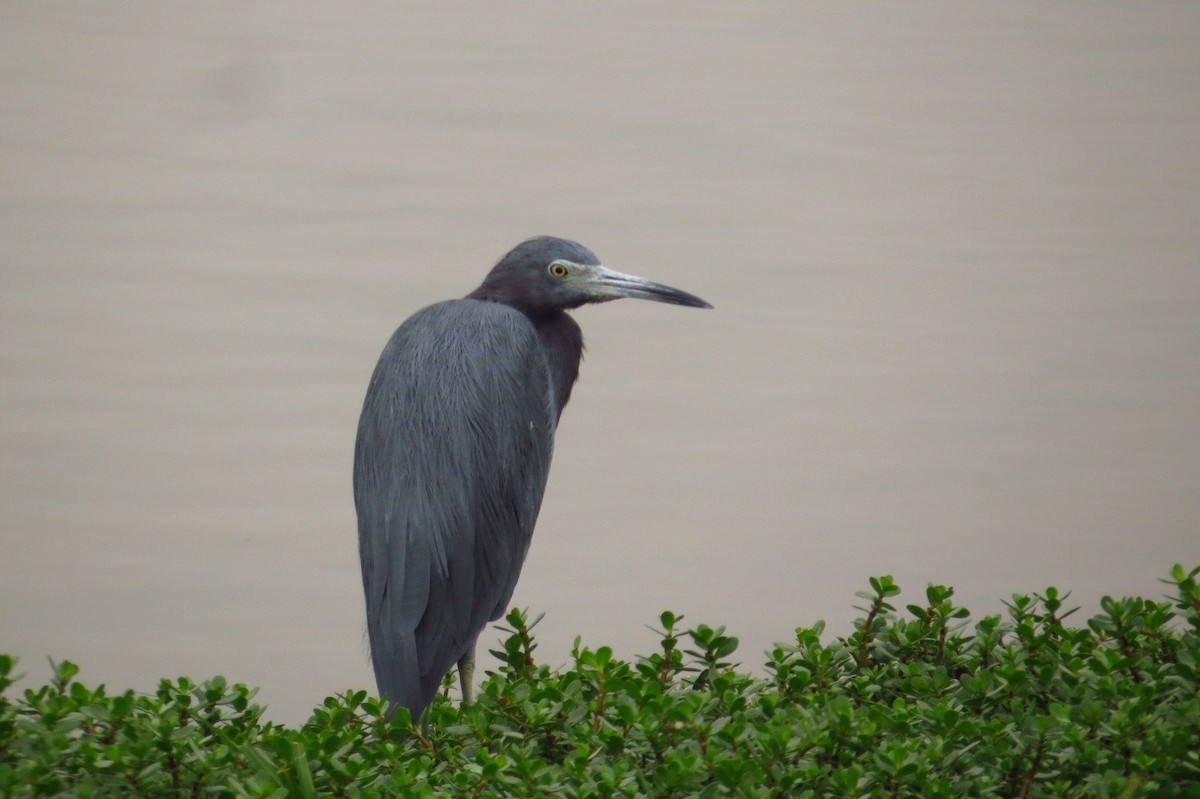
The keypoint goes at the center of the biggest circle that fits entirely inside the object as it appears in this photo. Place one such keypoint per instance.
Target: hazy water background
(954, 250)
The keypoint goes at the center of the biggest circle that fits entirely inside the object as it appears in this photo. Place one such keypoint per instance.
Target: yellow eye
(558, 269)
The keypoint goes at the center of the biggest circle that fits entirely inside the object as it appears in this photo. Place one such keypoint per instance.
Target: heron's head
(546, 274)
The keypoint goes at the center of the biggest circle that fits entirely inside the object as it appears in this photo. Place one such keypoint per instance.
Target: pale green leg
(466, 674)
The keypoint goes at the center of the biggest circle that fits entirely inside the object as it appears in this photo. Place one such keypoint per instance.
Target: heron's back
(450, 465)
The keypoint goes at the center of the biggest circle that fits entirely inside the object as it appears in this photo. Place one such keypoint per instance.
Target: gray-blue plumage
(453, 451)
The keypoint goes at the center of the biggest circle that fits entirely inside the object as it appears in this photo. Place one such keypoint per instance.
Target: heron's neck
(563, 340)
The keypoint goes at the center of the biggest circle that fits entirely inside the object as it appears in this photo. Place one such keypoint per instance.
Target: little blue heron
(453, 451)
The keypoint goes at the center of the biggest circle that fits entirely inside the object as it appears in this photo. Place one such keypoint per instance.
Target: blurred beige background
(954, 251)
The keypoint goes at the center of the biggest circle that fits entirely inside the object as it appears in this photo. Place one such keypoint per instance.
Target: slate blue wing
(450, 465)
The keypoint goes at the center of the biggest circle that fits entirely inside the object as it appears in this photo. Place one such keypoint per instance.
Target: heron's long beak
(607, 284)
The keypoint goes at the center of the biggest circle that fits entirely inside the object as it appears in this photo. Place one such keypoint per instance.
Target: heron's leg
(466, 673)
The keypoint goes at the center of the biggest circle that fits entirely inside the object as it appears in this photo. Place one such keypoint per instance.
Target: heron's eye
(558, 269)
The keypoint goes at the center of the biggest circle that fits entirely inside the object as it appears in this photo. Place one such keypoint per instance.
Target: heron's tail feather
(394, 657)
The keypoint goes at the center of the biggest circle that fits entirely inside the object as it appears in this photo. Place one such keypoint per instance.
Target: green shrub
(924, 704)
